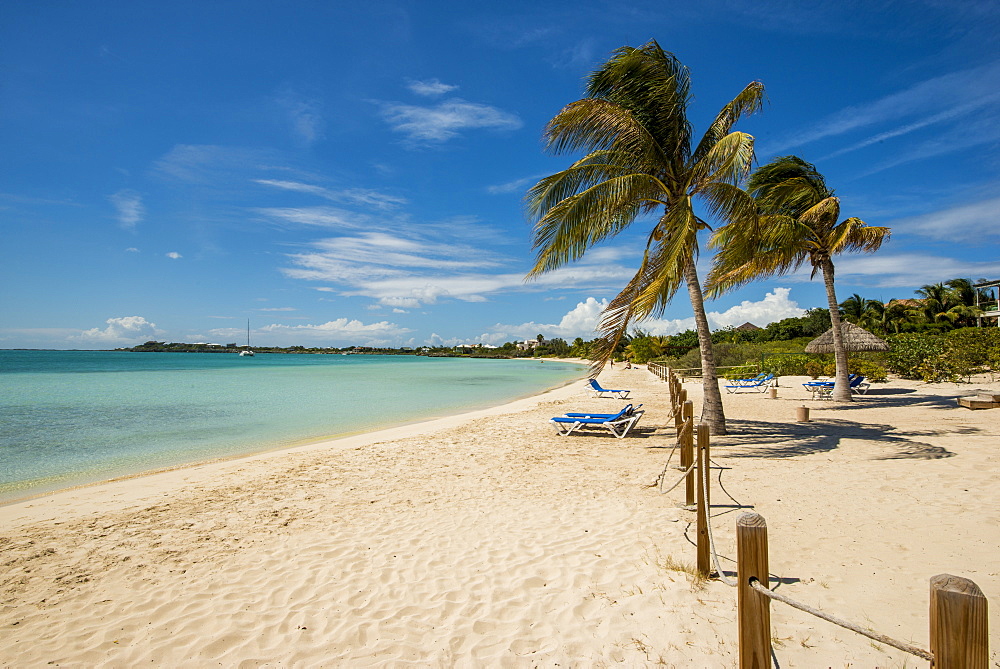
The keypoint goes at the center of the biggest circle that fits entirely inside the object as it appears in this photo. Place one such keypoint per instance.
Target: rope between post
(679, 481)
(875, 636)
(706, 475)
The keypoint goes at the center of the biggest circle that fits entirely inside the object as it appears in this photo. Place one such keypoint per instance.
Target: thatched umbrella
(855, 339)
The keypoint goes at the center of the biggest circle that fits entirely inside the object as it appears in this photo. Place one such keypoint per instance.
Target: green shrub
(814, 368)
(910, 354)
(871, 370)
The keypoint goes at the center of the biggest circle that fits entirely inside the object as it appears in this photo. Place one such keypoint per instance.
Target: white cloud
(430, 87)
(583, 319)
(123, 330)
(131, 249)
(773, 307)
(580, 321)
(444, 121)
(129, 206)
(174, 255)
(278, 309)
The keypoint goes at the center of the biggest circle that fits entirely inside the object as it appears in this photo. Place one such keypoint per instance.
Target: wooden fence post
(959, 624)
(704, 549)
(687, 451)
(753, 608)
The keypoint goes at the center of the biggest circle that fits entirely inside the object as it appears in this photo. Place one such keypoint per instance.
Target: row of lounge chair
(824, 389)
(620, 423)
(757, 384)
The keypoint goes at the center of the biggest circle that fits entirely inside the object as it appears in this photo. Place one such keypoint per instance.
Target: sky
(344, 173)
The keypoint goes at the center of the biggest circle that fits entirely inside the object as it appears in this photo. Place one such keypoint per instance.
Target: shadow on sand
(785, 440)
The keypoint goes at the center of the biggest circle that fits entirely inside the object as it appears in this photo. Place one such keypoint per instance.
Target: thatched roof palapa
(855, 339)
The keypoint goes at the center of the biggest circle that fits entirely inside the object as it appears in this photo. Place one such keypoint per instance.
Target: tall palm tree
(796, 224)
(640, 163)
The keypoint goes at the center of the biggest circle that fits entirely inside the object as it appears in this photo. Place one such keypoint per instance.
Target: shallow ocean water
(72, 417)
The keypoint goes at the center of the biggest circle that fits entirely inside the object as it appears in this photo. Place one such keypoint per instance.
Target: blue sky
(353, 173)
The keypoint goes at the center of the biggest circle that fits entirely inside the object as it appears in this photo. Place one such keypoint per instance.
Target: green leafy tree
(795, 223)
(642, 163)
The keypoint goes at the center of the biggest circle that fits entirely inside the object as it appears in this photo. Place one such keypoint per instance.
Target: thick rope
(679, 481)
(707, 476)
(875, 636)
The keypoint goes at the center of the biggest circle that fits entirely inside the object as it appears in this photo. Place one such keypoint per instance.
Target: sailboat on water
(247, 352)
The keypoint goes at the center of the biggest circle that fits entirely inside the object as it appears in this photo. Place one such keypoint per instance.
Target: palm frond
(586, 172)
(577, 222)
(596, 124)
(728, 161)
(749, 101)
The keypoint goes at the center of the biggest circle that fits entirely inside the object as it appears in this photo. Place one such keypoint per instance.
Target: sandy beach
(488, 540)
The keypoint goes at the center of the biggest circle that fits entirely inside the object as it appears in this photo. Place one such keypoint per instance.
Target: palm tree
(796, 224)
(863, 312)
(639, 162)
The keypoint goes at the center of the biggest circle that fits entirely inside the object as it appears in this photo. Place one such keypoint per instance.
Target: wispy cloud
(174, 255)
(304, 115)
(445, 120)
(209, 163)
(321, 217)
(425, 264)
(128, 205)
(430, 87)
(355, 196)
(905, 270)
(933, 101)
(966, 222)
(338, 332)
(516, 186)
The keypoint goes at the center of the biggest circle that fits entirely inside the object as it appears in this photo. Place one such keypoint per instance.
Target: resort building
(988, 299)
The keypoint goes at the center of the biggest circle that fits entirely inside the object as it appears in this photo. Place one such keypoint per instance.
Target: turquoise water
(72, 417)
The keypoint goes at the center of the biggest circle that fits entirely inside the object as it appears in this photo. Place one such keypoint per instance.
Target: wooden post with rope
(687, 450)
(958, 624)
(704, 549)
(754, 610)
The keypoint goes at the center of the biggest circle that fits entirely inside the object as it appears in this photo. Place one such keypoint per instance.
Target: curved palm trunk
(841, 389)
(711, 408)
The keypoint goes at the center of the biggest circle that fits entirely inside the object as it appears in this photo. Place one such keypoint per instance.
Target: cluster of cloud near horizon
(580, 321)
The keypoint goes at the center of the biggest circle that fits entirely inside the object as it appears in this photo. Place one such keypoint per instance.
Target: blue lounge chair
(824, 389)
(619, 424)
(598, 391)
(757, 384)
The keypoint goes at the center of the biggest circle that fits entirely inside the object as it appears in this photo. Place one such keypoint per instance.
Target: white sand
(487, 540)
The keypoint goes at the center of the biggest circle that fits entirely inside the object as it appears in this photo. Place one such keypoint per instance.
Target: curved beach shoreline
(486, 539)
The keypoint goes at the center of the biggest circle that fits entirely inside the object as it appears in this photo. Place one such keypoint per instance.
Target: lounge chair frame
(618, 424)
